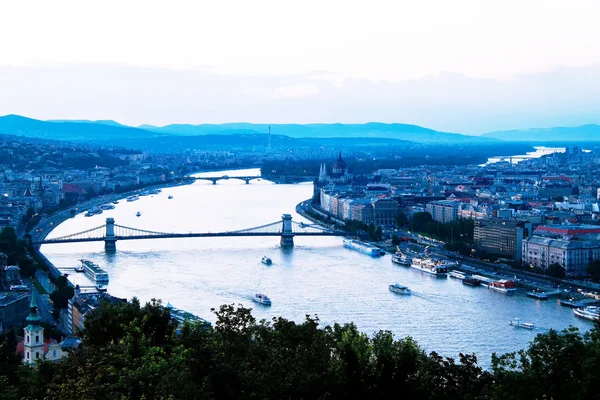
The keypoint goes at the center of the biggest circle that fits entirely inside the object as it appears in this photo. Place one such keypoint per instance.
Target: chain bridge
(110, 233)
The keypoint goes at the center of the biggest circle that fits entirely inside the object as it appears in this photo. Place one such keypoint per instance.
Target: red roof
(72, 188)
(575, 230)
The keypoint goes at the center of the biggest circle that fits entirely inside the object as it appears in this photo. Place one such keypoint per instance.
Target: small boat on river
(517, 323)
(262, 299)
(397, 288)
(266, 260)
(138, 214)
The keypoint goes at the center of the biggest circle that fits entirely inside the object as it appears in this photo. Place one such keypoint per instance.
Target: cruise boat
(457, 274)
(94, 272)
(401, 259)
(266, 260)
(397, 288)
(107, 207)
(155, 191)
(170, 197)
(262, 299)
(517, 323)
(138, 214)
(362, 247)
(503, 285)
(132, 198)
(592, 313)
(437, 267)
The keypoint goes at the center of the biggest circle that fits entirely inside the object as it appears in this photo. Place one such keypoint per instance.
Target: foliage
(460, 230)
(594, 270)
(63, 293)
(134, 352)
(556, 270)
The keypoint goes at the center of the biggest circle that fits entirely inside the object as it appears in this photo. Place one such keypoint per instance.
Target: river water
(317, 277)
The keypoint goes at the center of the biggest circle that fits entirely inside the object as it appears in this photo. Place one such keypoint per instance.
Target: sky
(457, 66)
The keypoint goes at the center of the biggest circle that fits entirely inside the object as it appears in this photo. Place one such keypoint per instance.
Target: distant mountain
(584, 133)
(69, 131)
(411, 133)
(86, 121)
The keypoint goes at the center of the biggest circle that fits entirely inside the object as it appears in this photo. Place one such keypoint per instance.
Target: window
(37, 338)
(27, 355)
(37, 354)
(27, 338)
(54, 353)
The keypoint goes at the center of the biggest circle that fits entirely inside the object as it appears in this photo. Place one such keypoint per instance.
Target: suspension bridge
(110, 233)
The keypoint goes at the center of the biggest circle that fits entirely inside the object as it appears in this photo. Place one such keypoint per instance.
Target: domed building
(340, 168)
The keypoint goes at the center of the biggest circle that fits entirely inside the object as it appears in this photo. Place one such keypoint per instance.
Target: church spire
(340, 157)
(34, 314)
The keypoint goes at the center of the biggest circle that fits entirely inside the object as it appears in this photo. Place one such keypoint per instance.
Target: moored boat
(470, 281)
(397, 288)
(132, 198)
(262, 299)
(503, 286)
(457, 274)
(362, 247)
(431, 266)
(517, 323)
(591, 313)
(401, 259)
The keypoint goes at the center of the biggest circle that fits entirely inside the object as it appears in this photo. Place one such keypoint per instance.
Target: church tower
(323, 173)
(34, 335)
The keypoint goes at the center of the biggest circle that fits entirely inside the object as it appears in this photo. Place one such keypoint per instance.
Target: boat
(94, 272)
(517, 323)
(170, 197)
(266, 260)
(262, 299)
(132, 198)
(362, 247)
(107, 207)
(79, 268)
(19, 288)
(155, 191)
(115, 202)
(401, 259)
(431, 266)
(93, 211)
(101, 288)
(503, 285)
(470, 281)
(397, 288)
(457, 274)
(537, 295)
(138, 214)
(591, 313)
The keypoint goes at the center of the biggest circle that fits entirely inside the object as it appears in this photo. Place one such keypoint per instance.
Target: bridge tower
(110, 243)
(287, 236)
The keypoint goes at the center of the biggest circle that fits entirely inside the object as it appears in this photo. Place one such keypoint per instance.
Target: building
(567, 231)
(33, 346)
(83, 303)
(13, 309)
(501, 237)
(385, 211)
(443, 210)
(573, 255)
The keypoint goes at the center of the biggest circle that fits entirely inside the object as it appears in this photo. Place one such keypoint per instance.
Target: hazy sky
(466, 66)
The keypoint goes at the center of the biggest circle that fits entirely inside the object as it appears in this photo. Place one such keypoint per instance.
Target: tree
(401, 219)
(396, 240)
(556, 270)
(593, 269)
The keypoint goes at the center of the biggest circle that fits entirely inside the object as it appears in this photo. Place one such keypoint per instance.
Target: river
(317, 277)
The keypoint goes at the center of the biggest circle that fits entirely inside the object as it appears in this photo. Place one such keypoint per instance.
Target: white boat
(155, 191)
(170, 197)
(93, 211)
(401, 259)
(107, 207)
(437, 268)
(115, 202)
(138, 214)
(97, 274)
(397, 288)
(262, 299)
(517, 323)
(591, 313)
(79, 268)
(132, 198)
(457, 274)
(266, 260)
(362, 247)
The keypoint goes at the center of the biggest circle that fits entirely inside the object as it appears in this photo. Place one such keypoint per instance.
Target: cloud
(296, 91)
